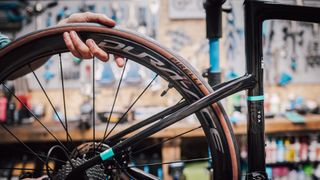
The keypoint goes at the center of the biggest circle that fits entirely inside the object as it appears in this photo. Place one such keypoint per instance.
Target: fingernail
(73, 33)
(65, 34)
(91, 43)
(120, 62)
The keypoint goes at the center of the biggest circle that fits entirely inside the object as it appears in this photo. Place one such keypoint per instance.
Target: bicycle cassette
(96, 172)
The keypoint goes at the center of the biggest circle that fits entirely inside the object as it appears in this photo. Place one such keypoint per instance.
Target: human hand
(88, 49)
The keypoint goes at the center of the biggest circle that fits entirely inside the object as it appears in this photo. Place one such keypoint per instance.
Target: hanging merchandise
(48, 75)
(142, 20)
(122, 13)
(186, 9)
(313, 56)
(284, 79)
(179, 39)
(114, 11)
(106, 76)
(296, 36)
(154, 8)
(87, 7)
(49, 19)
(268, 35)
(132, 22)
(133, 74)
(73, 65)
(63, 13)
(232, 34)
(11, 16)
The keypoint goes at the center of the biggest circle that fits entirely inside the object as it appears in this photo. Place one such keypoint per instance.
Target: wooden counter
(35, 133)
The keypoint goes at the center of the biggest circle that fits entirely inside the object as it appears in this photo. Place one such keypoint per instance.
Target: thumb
(100, 18)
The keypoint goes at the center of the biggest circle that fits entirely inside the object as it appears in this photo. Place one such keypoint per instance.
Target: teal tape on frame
(107, 154)
(255, 98)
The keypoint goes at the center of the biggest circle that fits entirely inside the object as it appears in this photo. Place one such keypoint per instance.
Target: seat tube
(255, 98)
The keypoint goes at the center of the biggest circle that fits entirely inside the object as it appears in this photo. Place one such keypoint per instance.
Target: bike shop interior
(291, 68)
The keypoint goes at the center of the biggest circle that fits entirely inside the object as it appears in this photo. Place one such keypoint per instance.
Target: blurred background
(291, 61)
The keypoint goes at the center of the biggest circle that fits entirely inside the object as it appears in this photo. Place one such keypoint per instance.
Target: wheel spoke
(165, 140)
(172, 162)
(140, 174)
(64, 99)
(37, 119)
(25, 145)
(115, 138)
(93, 105)
(52, 106)
(130, 107)
(114, 101)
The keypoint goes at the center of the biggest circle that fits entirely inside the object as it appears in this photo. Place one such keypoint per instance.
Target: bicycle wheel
(23, 56)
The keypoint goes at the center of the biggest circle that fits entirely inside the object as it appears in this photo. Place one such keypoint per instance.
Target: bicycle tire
(173, 68)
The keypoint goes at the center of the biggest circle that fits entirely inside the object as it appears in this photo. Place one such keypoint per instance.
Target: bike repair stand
(213, 10)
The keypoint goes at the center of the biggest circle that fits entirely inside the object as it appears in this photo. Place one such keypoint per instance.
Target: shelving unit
(35, 133)
(290, 164)
(283, 125)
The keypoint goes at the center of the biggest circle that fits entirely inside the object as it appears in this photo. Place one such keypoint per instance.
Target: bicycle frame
(255, 13)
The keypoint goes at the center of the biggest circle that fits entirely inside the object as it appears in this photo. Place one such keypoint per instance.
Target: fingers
(96, 51)
(87, 50)
(69, 44)
(81, 47)
(119, 60)
(99, 18)
(102, 55)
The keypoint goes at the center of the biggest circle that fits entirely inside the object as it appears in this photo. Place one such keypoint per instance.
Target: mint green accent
(4, 40)
(107, 154)
(255, 98)
(77, 60)
(295, 117)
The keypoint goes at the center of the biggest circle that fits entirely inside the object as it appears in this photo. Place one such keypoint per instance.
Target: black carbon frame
(255, 13)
